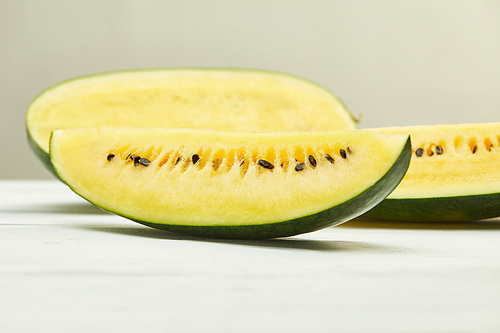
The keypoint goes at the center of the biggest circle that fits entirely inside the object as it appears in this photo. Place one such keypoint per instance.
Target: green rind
(336, 215)
(460, 208)
(44, 156)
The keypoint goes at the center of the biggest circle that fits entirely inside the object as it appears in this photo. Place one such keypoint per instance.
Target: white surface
(66, 266)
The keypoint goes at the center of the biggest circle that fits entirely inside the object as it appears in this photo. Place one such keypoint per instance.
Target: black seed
(265, 164)
(342, 153)
(419, 152)
(439, 150)
(144, 162)
(329, 158)
(110, 157)
(474, 149)
(137, 160)
(349, 150)
(242, 162)
(130, 157)
(300, 167)
(312, 160)
(195, 158)
(177, 160)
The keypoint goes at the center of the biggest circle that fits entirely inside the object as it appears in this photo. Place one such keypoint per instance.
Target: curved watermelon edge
(333, 216)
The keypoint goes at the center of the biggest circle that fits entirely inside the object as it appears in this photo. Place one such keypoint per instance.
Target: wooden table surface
(66, 266)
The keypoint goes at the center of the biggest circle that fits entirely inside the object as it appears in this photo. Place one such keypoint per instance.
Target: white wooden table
(66, 266)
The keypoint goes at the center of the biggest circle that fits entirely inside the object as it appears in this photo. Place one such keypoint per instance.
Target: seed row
(217, 161)
(472, 144)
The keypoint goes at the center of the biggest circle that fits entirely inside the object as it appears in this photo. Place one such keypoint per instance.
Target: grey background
(394, 62)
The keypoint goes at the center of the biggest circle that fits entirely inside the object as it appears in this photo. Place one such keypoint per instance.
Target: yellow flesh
(231, 100)
(457, 171)
(218, 189)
